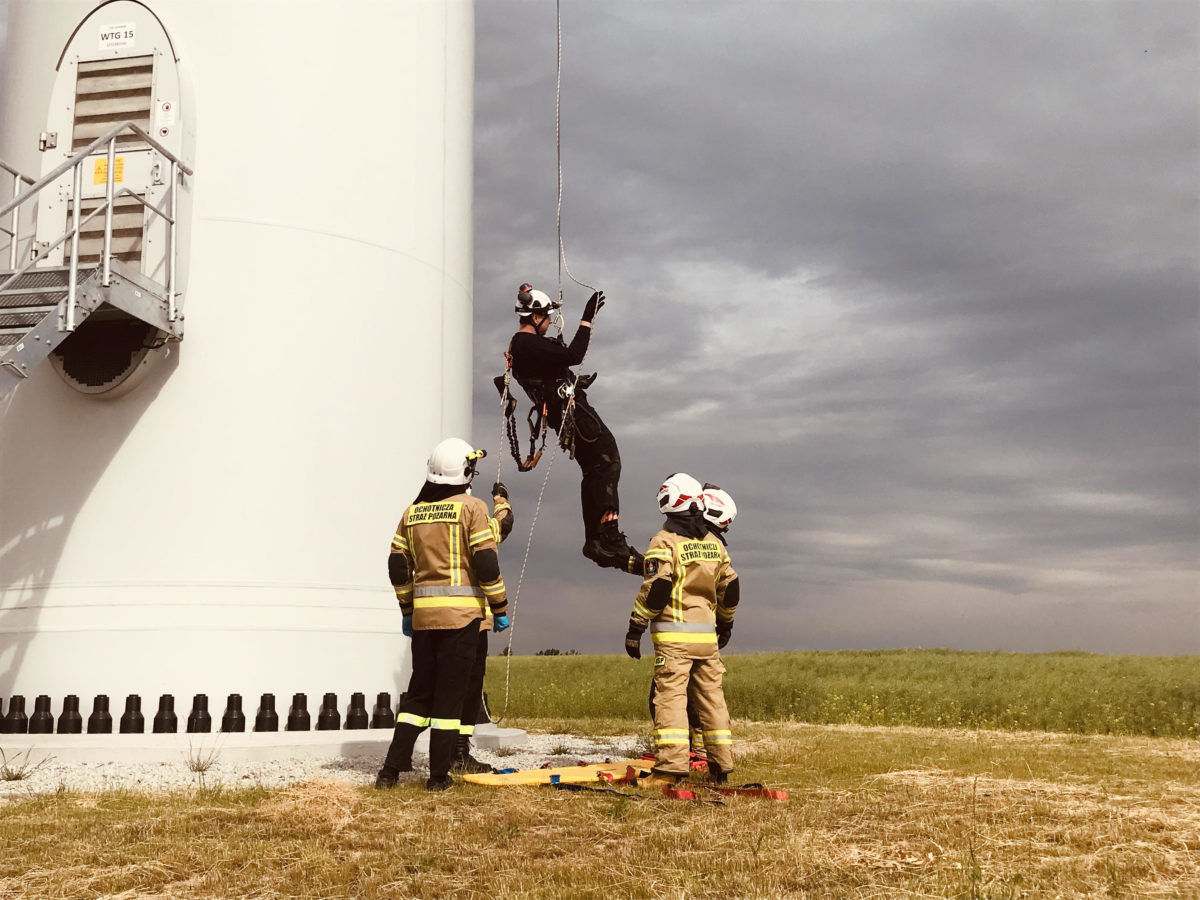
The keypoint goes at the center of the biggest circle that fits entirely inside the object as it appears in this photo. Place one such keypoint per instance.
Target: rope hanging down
(520, 581)
(562, 252)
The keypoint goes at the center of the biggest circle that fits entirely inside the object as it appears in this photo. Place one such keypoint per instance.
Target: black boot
(386, 778)
(464, 763)
(439, 784)
(608, 549)
(717, 775)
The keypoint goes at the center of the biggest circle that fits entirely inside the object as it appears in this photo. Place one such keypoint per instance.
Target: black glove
(499, 490)
(593, 306)
(724, 633)
(633, 643)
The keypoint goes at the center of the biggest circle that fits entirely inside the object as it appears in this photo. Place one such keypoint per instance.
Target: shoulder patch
(650, 567)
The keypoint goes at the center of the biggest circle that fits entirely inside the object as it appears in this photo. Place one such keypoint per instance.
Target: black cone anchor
(165, 720)
(42, 720)
(329, 719)
(266, 719)
(69, 720)
(199, 721)
(298, 718)
(382, 716)
(16, 722)
(100, 721)
(133, 722)
(356, 715)
(234, 719)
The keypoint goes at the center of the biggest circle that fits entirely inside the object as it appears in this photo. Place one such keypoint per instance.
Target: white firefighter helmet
(453, 461)
(530, 300)
(719, 508)
(679, 494)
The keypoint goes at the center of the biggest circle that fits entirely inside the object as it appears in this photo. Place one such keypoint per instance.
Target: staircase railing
(170, 215)
(14, 225)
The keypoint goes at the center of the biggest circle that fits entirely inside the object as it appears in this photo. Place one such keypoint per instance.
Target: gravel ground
(51, 775)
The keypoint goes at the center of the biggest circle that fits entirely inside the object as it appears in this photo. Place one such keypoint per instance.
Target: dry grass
(875, 812)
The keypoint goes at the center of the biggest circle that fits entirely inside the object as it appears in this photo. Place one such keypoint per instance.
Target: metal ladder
(41, 306)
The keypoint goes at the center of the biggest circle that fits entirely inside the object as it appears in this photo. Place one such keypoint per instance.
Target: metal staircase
(43, 304)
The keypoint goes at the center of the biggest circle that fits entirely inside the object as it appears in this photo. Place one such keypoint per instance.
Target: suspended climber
(542, 365)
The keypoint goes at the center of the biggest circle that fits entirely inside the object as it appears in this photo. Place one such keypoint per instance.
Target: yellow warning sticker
(100, 172)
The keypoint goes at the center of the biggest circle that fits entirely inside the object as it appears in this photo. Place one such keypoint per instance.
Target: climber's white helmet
(453, 461)
(530, 300)
(679, 494)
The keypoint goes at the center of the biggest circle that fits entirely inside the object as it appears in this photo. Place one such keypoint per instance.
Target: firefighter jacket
(452, 574)
(684, 594)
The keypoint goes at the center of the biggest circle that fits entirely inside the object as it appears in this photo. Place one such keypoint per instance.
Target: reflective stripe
(663, 741)
(710, 638)
(660, 553)
(399, 543)
(491, 590)
(448, 603)
(455, 555)
(466, 729)
(718, 733)
(445, 724)
(446, 590)
(403, 592)
(640, 609)
(480, 537)
(670, 732)
(691, 627)
(410, 719)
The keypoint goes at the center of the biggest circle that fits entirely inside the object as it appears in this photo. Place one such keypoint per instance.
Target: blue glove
(406, 627)
(500, 623)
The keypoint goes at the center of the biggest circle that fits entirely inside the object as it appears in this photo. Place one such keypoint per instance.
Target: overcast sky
(917, 282)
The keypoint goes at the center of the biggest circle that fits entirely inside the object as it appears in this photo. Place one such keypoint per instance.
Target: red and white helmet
(719, 508)
(680, 494)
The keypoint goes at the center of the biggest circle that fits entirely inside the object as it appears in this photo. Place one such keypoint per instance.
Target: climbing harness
(536, 419)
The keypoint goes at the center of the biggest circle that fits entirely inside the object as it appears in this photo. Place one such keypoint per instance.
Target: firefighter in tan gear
(688, 597)
(446, 574)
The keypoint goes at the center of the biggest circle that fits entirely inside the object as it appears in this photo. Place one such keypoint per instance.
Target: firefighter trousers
(673, 677)
(695, 729)
(442, 664)
(473, 702)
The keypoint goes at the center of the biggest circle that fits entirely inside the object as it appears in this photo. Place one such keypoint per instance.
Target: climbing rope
(512, 629)
(562, 252)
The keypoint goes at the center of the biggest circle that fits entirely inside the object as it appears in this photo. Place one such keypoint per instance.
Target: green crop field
(1082, 693)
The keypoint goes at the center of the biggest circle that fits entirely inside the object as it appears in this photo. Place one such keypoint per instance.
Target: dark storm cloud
(917, 282)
